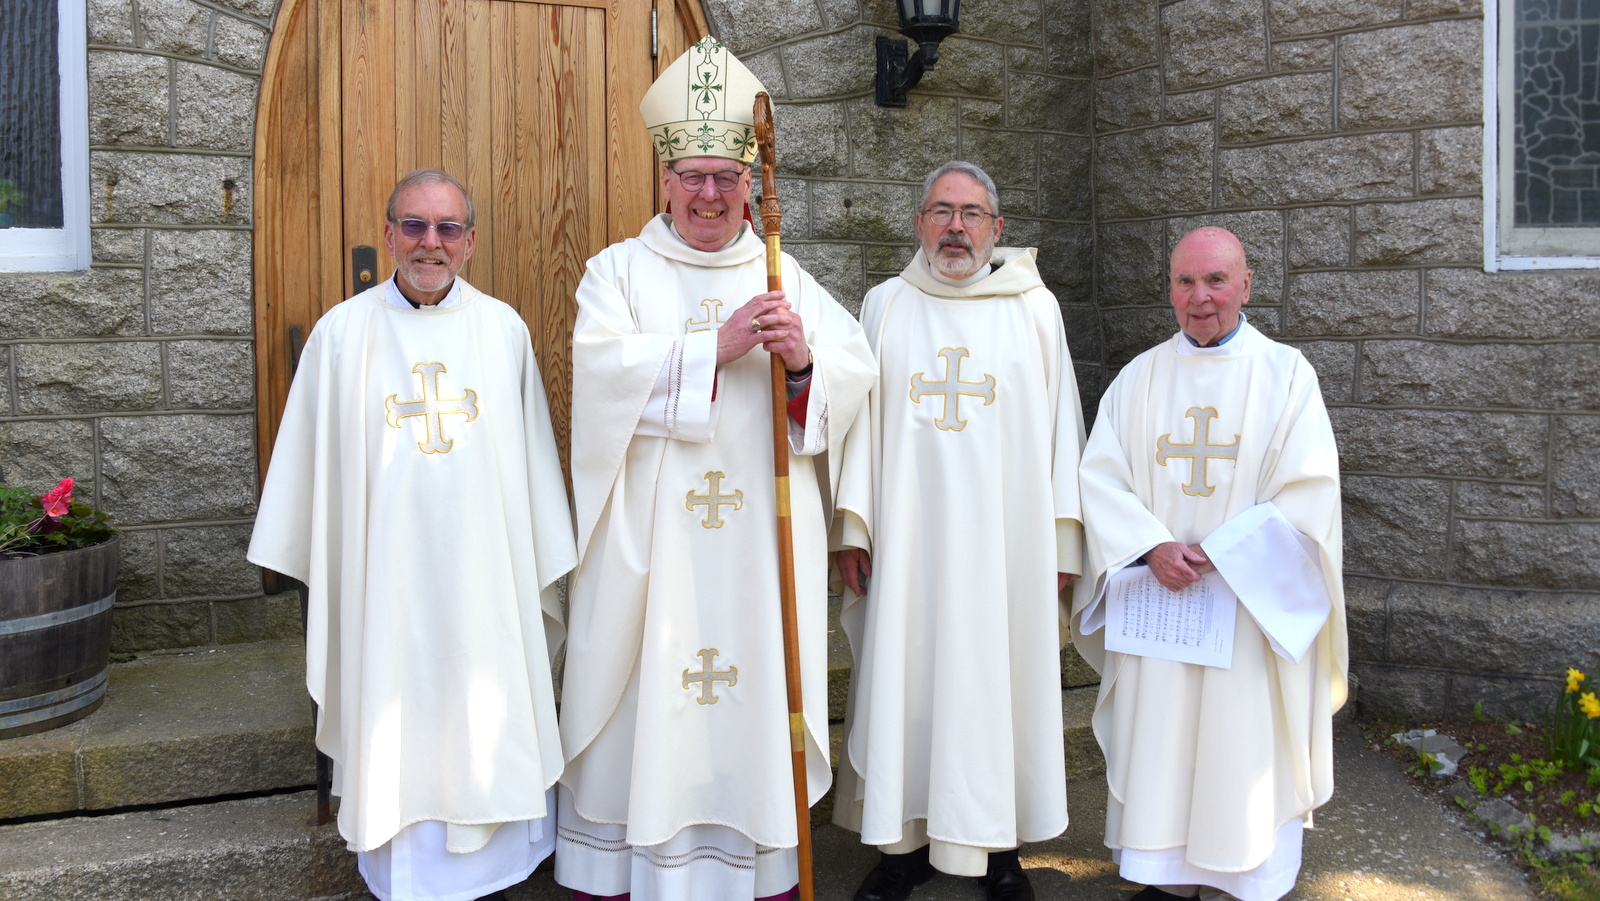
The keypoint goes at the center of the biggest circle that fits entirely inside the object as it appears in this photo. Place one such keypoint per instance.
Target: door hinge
(655, 34)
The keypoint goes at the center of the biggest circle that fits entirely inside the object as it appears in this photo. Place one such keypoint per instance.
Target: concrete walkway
(179, 732)
(1376, 840)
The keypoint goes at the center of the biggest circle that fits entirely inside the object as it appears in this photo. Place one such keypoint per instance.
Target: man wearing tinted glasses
(415, 489)
(428, 249)
(959, 523)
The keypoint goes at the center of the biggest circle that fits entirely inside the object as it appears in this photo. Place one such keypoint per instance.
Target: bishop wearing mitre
(674, 716)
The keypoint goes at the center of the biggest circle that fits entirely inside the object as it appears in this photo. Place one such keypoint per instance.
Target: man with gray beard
(957, 528)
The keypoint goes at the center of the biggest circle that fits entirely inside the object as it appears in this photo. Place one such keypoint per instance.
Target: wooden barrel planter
(55, 636)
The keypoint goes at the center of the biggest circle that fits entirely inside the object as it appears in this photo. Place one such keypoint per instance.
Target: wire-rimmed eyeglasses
(941, 216)
(448, 232)
(726, 180)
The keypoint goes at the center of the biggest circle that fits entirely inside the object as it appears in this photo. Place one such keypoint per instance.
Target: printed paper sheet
(1190, 626)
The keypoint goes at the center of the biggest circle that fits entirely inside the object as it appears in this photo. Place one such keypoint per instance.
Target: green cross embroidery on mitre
(706, 80)
(673, 141)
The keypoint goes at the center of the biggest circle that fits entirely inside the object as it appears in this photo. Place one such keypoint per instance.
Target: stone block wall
(136, 377)
(1341, 139)
(1011, 93)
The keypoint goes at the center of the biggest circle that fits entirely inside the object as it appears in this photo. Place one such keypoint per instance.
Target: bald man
(1212, 469)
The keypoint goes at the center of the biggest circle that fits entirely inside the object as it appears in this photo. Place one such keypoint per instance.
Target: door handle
(363, 268)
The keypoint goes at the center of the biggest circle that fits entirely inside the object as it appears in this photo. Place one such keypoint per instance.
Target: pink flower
(57, 500)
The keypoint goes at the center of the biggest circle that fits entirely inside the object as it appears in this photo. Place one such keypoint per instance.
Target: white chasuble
(1210, 761)
(415, 489)
(961, 481)
(674, 708)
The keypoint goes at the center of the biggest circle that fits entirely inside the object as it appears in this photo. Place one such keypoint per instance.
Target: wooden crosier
(771, 224)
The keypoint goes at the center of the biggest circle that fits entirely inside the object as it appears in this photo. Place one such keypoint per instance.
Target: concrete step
(209, 723)
(260, 849)
(206, 724)
(268, 848)
(174, 727)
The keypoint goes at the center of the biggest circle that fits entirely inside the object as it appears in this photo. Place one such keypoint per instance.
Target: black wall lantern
(927, 22)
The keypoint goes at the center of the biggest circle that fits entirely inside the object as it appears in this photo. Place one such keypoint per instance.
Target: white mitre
(703, 105)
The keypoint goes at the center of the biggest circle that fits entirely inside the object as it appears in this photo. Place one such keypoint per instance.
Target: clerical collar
(982, 273)
(736, 236)
(1231, 335)
(393, 297)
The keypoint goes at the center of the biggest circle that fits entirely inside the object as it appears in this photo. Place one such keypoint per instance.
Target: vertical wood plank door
(533, 104)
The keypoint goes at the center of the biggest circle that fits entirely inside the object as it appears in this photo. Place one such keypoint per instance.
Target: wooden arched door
(532, 103)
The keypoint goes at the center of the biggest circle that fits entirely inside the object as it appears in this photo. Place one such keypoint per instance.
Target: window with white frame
(44, 139)
(1542, 134)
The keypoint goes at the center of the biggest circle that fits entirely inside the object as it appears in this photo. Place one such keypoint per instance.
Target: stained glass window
(1557, 143)
(1542, 160)
(30, 115)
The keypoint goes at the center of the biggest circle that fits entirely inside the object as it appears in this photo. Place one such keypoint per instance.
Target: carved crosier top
(771, 216)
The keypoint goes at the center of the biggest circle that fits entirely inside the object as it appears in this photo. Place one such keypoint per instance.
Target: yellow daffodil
(1589, 704)
(1573, 678)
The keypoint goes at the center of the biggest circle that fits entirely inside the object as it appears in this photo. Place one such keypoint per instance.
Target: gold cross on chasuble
(712, 322)
(951, 389)
(431, 407)
(713, 501)
(1198, 452)
(709, 675)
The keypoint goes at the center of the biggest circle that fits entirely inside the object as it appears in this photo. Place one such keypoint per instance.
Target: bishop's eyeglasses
(726, 180)
(448, 232)
(941, 216)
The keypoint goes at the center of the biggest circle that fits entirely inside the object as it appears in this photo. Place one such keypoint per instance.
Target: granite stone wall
(136, 377)
(1341, 139)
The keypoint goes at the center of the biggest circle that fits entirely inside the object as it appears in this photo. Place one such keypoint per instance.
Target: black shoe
(895, 876)
(1151, 893)
(1005, 880)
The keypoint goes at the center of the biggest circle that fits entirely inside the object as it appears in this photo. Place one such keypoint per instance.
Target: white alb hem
(414, 865)
(1269, 881)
